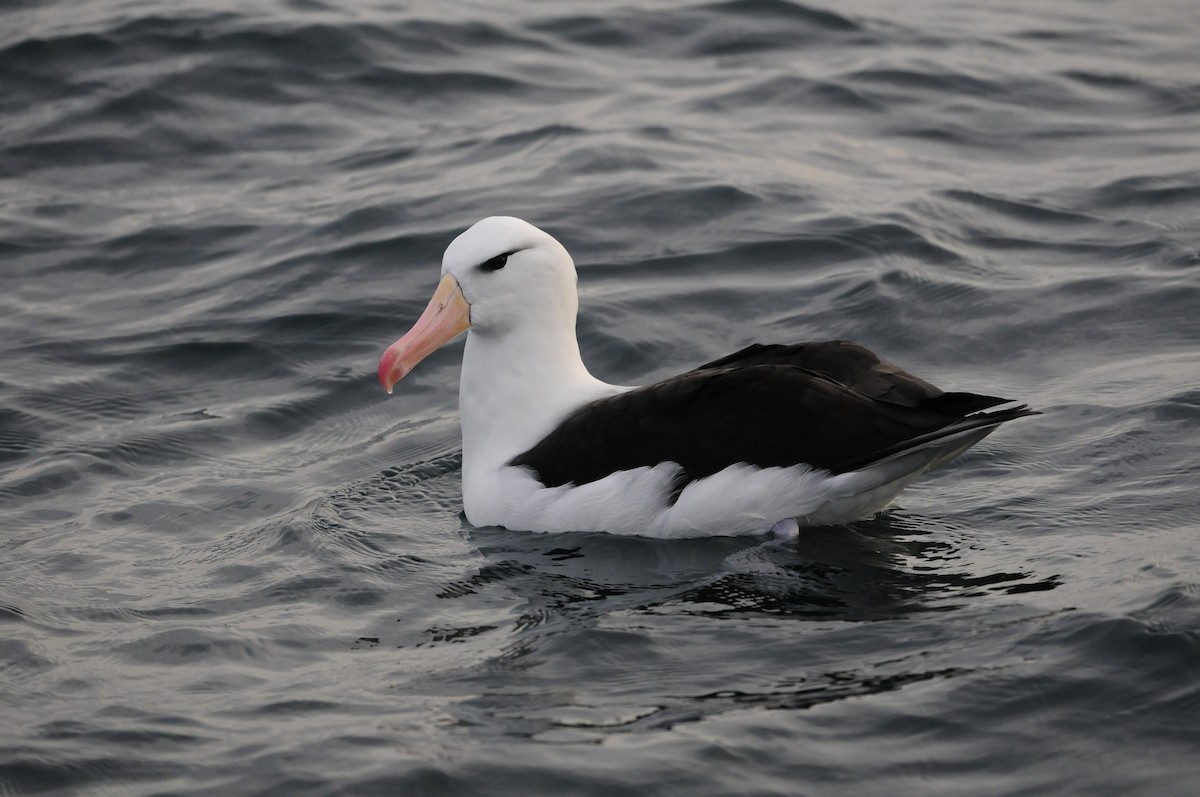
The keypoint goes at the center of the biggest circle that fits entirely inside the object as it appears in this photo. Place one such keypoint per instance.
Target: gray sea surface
(231, 565)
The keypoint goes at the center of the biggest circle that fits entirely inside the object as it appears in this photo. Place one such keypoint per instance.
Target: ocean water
(231, 565)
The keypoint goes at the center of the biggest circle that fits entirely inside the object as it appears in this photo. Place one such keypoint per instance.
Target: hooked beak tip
(446, 315)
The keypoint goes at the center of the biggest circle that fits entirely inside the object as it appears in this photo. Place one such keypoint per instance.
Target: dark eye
(496, 263)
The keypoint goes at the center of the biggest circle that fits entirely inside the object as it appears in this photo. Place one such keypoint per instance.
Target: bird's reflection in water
(613, 634)
(888, 567)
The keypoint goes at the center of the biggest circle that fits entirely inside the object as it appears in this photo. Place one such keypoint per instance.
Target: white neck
(516, 387)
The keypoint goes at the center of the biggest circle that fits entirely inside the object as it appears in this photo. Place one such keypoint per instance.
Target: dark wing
(760, 414)
(858, 368)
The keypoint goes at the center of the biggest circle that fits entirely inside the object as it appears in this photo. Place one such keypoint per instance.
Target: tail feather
(958, 404)
(976, 421)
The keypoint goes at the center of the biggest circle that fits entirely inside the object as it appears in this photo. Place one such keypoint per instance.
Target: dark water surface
(232, 565)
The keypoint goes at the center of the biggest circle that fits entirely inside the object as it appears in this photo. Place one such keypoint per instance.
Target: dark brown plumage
(833, 405)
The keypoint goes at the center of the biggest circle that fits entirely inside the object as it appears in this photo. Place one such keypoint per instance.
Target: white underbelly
(742, 499)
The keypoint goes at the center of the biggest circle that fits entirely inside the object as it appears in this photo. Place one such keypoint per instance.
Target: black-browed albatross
(769, 438)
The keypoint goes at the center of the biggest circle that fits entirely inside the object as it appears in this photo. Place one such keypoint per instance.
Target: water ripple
(232, 564)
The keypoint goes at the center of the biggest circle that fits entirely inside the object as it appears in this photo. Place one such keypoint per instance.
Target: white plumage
(524, 385)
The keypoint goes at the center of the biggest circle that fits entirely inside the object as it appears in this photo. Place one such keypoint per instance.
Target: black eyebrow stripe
(499, 261)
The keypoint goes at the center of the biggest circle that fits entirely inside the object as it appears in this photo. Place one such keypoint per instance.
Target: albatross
(769, 438)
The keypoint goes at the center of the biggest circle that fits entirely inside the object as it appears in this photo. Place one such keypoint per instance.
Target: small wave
(1149, 191)
(20, 433)
(1119, 88)
(719, 29)
(793, 91)
(34, 772)
(1029, 211)
(930, 82)
(786, 11)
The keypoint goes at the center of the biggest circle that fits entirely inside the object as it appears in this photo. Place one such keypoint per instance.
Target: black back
(833, 405)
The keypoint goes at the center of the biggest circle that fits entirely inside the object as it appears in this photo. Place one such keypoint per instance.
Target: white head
(499, 277)
(509, 272)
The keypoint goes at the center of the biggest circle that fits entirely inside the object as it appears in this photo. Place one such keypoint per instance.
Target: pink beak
(447, 315)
